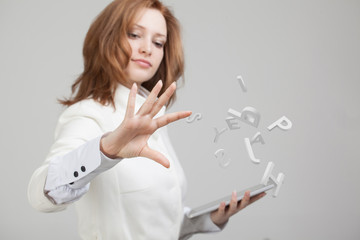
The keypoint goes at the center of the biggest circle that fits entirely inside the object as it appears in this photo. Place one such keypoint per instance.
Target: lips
(142, 63)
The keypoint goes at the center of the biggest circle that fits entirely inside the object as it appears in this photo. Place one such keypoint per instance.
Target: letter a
(257, 138)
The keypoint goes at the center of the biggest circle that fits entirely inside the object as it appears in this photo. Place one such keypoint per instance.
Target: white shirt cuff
(199, 224)
(69, 175)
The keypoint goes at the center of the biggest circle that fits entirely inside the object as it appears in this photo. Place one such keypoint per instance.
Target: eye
(159, 44)
(133, 35)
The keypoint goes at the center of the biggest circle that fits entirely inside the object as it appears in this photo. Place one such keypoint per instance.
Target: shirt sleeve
(68, 177)
(74, 159)
(199, 224)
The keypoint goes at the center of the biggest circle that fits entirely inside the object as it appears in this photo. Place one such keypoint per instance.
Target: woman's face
(146, 38)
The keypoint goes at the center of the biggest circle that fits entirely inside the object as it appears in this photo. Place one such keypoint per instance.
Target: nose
(146, 47)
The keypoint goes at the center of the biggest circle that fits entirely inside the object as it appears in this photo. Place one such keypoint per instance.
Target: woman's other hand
(130, 138)
(223, 213)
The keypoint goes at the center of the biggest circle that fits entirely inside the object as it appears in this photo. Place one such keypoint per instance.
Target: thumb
(155, 155)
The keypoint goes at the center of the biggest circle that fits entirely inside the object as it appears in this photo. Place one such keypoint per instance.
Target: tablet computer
(209, 207)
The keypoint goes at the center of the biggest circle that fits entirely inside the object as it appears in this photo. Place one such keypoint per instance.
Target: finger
(233, 203)
(257, 197)
(171, 117)
(155, 155)
(164, 98)
(131, 101)
(151, 99)
(221, 209)
(245, 200)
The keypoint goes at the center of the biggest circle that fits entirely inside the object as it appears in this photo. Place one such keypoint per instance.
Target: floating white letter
(192, 118)
(234, 113)
(283, 123)
(249, 115)
(250, 151)
(242, 83)
(257, 138)
(217, 134)
(233, 123)
(224, 160)
(278, 181)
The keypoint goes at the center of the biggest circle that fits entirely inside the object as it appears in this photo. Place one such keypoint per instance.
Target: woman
(112, 155)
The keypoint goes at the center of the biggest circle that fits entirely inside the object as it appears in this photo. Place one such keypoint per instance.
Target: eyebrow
(142, 27)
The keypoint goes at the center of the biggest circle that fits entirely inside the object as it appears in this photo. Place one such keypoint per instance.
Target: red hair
(107, 52)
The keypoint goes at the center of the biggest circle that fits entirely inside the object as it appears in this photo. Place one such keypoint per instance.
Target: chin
(140, 75)
(141, 78)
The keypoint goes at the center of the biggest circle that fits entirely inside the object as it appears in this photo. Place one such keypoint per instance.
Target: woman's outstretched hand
(130, 138)
(223, 213)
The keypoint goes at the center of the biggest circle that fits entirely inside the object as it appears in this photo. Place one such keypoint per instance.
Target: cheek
(133, 46)
(159, 57)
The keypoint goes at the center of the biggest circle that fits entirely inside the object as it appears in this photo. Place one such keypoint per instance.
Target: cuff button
(83, 169)
(76, 174)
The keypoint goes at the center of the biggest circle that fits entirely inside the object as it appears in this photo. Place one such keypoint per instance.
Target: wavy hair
(107, 53)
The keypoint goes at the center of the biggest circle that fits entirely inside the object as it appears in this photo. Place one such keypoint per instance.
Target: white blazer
(136, 199)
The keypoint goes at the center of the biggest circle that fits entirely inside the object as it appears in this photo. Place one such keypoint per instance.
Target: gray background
(300, 59)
